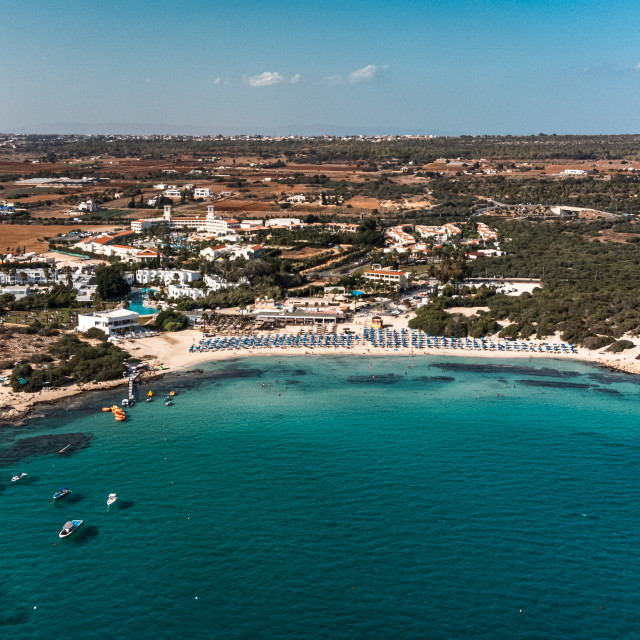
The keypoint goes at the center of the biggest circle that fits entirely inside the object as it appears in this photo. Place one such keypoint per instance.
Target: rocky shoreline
(71, 396)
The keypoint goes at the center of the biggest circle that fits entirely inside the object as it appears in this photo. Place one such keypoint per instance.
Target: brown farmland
(26, 235)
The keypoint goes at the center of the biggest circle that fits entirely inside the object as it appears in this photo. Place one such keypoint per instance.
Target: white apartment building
(486, 232)
(443, 232)
(202, 192)
(110, 322)
(398, 279)
(399, 236)
(245, 251)
(215, 282)
(184, 291)
(283, 222)
(24, 276)
(144, 276)
(89, 206)
(211, 224)
(250, 224)
(213, 253)
(17, 291)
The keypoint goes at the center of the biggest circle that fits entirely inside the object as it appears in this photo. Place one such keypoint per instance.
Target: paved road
(499, 205)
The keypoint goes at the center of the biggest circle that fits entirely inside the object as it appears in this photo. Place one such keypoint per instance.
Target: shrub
(79, 361)
(597, 342)
(23, 371)
(49, 331)
(7, 364)
(621, 345)
(510, 331)
(39, 358)
(95, 334)
(169, 320)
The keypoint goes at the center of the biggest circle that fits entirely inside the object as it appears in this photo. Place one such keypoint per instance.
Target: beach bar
(302, 317)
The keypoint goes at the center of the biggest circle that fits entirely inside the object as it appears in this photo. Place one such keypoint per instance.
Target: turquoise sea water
(304, 498)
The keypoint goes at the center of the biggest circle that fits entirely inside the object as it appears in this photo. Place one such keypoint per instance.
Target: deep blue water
(304, 498)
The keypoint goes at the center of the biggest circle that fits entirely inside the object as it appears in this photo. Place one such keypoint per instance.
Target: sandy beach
(171, 351)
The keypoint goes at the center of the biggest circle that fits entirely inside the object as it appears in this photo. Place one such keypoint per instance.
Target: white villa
(144, 276)
(213, 253)
(110, 322)
(183, 290)
(25, 276)
(215, 282)
(398, 279)
(17, 291)
(88, 205)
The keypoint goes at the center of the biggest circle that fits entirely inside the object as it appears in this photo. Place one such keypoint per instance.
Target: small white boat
(112, 498)
(61, 493)
(69, 528)
(16, 478)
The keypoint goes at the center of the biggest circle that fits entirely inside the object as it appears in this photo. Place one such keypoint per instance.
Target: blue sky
(447, 67)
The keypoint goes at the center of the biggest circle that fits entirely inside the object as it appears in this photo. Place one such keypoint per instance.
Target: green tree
(110, 283)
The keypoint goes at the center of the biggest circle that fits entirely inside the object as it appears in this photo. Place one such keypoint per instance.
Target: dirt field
(242, 205)
(30, 235)
(361, 202)
(607, 235)
(17, 346)
(301, 254)
(27, 168)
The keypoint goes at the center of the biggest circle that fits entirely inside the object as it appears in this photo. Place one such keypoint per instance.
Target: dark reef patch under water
(554, 384)
(614, 377)
(428, 379)
(542, 372)
(48, 444)
(611, 392)
(383, 378)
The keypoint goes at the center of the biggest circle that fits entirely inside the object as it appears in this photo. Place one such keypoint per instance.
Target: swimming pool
(136, 302)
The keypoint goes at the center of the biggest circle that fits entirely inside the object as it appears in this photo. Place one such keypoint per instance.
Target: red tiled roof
(103, 240)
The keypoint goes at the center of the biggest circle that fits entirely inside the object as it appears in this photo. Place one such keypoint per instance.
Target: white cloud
(265, 79)
(637, 66)
(361, 75)
(334, 80)
(218, 80)
(295, 78)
